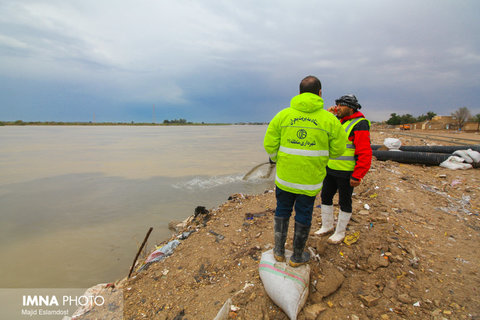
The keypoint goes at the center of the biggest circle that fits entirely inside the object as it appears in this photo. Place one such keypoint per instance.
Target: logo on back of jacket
(302, 134)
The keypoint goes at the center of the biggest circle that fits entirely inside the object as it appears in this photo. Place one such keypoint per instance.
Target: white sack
(286, 286)
(463, 154)
(392, 144)
(454, 163)
(475, 155)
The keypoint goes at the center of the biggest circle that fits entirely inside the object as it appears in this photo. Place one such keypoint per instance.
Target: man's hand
(355, 182)
(332, 109)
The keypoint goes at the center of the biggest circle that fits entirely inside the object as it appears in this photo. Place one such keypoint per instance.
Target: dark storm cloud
(242, 61)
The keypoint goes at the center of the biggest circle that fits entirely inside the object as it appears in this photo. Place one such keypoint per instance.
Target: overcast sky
(232, 61)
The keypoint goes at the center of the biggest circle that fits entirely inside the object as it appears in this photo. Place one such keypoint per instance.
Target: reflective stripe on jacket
(346, 162)
(300, 139)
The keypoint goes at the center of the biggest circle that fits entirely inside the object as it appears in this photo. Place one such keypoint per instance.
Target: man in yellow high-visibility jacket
(300, 140)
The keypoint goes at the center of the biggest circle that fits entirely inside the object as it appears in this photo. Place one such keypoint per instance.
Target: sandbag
(392, 144)
(286, 286)
(454, 163)
(463, 154)
(475, 155)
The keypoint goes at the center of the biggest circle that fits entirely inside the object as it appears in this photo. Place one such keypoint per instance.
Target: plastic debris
(223, 312)
(245, 287)
(94, 291)
(185, 235)
(414, 262)
(258, 215)
(352, 238)
(455, 182)
(313, 255)
(462, 260)
(217, 235)
(160, 254)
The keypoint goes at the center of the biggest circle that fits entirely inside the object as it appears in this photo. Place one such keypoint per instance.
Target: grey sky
(229, 61)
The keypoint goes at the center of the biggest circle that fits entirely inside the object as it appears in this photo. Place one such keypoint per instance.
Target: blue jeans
(303, 204)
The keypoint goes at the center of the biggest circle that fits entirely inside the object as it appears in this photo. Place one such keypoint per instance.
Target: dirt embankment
(417, 256)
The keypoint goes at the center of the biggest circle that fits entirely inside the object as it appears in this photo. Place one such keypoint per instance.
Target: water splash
(204, 183)
(207, 183)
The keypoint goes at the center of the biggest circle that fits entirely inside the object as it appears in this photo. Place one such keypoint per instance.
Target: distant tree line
(90, 123)
(396, 119)
(133, 123)
(176, 121)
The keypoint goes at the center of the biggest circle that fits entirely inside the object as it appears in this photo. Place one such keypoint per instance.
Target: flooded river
(77, 201)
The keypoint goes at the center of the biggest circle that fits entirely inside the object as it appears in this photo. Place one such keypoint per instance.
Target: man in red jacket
(345, 172)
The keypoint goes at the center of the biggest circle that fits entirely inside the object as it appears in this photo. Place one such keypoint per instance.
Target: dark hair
(310, 84)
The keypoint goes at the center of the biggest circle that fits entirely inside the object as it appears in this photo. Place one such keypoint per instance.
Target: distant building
(439, 123)
(471, 126)
(445, 123)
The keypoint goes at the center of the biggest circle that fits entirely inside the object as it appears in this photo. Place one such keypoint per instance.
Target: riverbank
(417, 255)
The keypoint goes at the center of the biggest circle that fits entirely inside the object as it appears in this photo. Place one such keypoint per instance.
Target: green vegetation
(179, 121)
(408, 118)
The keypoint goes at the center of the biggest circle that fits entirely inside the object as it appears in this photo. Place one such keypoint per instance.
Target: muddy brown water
(77, 201)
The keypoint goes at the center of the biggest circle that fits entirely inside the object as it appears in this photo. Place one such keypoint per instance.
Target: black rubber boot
(300, 237)
(281, 230)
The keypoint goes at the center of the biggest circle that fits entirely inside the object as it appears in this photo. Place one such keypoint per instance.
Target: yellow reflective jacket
(346, 162)
(301, 139)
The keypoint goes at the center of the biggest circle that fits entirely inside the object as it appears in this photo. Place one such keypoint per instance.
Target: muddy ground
(417, 256)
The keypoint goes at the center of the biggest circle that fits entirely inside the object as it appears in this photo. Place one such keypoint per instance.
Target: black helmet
(349, 100)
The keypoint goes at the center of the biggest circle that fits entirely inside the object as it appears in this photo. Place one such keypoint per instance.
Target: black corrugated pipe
(434, 149)
(432, 159)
